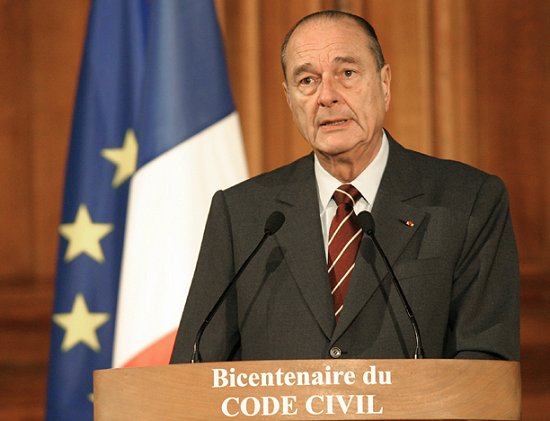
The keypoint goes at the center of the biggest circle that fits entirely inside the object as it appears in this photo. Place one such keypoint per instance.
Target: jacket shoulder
(447, 173)
(272, 181)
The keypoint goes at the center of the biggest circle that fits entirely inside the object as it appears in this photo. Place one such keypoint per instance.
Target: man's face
(337, 96)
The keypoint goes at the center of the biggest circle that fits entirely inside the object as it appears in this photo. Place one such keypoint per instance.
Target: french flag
(155, 134)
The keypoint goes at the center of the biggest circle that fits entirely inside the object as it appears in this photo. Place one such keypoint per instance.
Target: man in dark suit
(444, 226)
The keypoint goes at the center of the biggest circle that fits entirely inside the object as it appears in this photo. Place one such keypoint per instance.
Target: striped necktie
(343, 244)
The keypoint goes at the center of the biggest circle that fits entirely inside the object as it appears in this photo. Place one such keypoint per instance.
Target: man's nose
(328, 92)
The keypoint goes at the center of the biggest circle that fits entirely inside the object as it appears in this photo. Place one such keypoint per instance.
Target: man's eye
(348, 73)
(306, 81)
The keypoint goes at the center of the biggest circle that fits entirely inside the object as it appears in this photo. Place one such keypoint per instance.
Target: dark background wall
(470, 82)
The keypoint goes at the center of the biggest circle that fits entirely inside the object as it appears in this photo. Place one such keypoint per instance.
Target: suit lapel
(303, 241)
(396, 222)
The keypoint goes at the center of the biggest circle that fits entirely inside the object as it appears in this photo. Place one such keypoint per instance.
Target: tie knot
(346, 194)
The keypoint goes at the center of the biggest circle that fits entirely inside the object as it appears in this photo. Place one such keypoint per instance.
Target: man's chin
(334, 145)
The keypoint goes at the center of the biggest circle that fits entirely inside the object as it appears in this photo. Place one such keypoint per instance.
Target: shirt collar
(367, 182)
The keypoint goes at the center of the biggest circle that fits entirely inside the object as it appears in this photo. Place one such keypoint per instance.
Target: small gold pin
(408, 222)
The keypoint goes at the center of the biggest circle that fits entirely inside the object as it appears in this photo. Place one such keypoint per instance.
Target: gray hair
(338, 15)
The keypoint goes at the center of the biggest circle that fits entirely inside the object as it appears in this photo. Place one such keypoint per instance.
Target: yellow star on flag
(125, 158)
(84, 235)
(80, 325)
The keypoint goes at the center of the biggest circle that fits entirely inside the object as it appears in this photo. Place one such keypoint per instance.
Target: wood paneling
(240, 22)
(453, 82)
(511, 59)
(512, 67)
(470, 82)
(15, 157)
(404, 32)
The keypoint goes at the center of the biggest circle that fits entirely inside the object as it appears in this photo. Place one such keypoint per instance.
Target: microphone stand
(272, 225)
(366, 221)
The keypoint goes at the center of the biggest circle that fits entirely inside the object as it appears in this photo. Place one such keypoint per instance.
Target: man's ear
(385, 79)
(285, 89)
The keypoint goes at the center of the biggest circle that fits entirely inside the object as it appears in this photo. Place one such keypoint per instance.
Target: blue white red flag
(155, 133)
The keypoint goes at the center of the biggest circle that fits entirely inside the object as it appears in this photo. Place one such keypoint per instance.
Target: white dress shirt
(367, 183)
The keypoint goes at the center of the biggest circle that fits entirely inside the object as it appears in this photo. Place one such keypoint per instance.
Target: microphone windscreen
(274, 222)
(366, 222)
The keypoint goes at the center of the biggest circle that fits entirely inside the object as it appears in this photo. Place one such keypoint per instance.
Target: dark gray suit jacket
(457, 265)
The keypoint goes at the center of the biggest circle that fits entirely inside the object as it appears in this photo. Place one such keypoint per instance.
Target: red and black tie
(343, 244)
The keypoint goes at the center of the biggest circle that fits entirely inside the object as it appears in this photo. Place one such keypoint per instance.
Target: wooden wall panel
(512, 57)
(512, 68)
(470, 82)
(240, 22)
(453, 80)
(404, 32)
(15, 156)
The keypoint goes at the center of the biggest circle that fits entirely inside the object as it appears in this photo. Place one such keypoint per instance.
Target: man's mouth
(328, 123)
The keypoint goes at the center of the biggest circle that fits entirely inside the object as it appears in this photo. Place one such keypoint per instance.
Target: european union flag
(153, 102)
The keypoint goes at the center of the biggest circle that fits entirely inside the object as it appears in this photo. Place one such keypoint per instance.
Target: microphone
(366, 222)
(272, 224)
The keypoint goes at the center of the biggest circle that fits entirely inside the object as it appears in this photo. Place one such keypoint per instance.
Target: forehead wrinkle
(314, 47)
(313, 50)
(344, 60)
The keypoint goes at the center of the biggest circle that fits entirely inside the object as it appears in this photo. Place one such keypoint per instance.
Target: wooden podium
(312, 390)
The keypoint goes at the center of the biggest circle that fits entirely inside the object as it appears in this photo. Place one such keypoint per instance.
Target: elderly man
(318, 288)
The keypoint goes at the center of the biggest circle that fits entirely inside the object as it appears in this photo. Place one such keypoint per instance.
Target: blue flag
(153, 78)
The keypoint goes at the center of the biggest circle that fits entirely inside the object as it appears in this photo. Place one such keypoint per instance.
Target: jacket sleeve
(214, 270)
(484, 317)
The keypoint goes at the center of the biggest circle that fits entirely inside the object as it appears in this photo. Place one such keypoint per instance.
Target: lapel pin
(408, 222)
